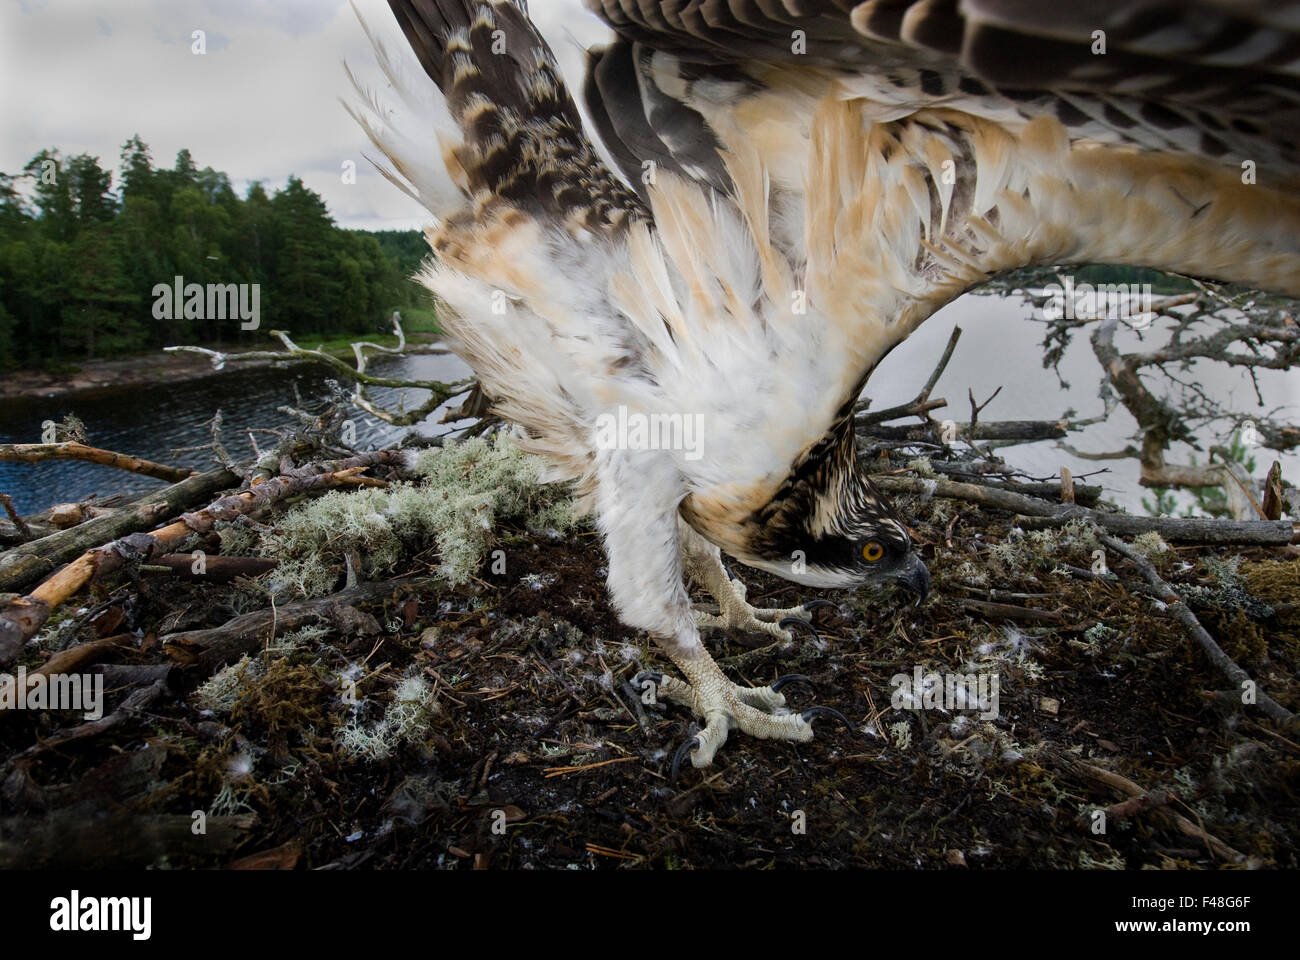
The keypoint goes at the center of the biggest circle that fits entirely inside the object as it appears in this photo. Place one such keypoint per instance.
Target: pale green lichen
(466, 490)
(237, 539)
(404, 721)
(922, 467)
(901, 734)
(222, 691)
(1099, 635)
(287, 643)
(1150, 544)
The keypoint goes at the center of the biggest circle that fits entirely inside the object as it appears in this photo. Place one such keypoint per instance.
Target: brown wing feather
(1220, 75)
(524, 145)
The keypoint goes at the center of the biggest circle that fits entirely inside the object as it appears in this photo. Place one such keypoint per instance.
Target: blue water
(151, 421)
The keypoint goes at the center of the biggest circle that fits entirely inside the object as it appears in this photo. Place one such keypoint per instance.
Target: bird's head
(826, 525)
(850, 539)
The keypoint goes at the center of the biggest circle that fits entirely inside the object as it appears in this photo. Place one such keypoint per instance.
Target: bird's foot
(758, 711)
(737, 616)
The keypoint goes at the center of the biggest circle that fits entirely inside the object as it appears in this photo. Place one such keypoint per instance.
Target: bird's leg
(636, 503)
(703, 564)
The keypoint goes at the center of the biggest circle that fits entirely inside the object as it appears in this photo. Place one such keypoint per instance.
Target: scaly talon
(725, 706)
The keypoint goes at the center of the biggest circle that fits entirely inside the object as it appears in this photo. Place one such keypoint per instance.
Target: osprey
(787, 189)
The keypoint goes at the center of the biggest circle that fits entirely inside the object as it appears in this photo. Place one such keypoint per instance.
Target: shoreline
(150, 369)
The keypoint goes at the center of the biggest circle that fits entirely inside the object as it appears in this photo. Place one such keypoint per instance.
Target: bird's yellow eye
(872, 551)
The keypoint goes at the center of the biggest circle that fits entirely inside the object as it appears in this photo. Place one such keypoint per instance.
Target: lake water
(999, 347)
(150, 421)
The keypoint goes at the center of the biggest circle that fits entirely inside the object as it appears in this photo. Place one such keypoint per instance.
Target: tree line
(80, 258)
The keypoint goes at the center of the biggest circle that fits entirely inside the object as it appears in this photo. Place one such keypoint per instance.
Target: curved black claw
(814, 712)
(812, 605)
(786, 622)
(682, 752)
(652, 676)
(790, 678)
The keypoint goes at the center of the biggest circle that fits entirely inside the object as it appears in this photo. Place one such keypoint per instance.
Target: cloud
(84, 75)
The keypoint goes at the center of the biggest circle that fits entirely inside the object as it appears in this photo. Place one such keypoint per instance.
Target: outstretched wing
(508, 133)
(1220, 78)
(886, 156)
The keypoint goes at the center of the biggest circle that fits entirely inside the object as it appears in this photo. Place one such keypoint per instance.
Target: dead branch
(356, 375)
(1210, 531)
(921, 404)
(1009, 611)
(1181, 612)
(214, 569)
(71, 450)
(26, 563)
(83, 654)
(1200, 530)
(21, 618)
(986, 474)
(1160, 423)
(24, 531)
(1017, 431)
(1114, 781)
(210, 649)
(117, 840)
(136, 701)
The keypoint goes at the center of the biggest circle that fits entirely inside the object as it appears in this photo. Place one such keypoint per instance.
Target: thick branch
(21, 618)
(211, 648)
(1007, 430)
(23, 565)
(1258, 532)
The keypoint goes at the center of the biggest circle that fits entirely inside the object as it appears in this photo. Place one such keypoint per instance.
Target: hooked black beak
(915, 577)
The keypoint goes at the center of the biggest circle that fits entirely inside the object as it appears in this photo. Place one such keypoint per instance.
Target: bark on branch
(71, 450)
(25, 564)
(22, 617)
(1257, 532)
(210, 649)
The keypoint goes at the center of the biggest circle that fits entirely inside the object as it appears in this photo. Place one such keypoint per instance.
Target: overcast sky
(262, 103)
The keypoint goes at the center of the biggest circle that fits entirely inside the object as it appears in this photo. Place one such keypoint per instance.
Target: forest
(80, 257)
